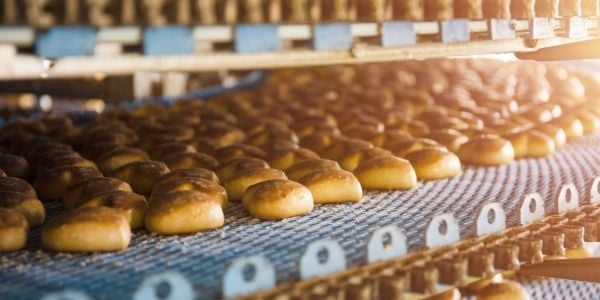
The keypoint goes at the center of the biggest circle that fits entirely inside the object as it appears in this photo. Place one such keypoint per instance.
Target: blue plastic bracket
(62, 41)
(332, 36)
(168, 40)
(501, 29)
(253, 38)
(455, 30)
(398, 33)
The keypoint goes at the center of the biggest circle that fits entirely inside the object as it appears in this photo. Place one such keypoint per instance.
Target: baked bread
(183, 212)
(305, 167)
(81, 190)
(386, 173)
(159, 152)
(130, 205)
(277, 199)
(486, 150)
(228, 169)
(208, 187)
(556, 133)
(141, 175)
(11, 184)
(184, 173)
(434, 163)
(285, 158)
(572, 126)
(95, 150)
(189, 160)
(230, 152)
(589, 121)
(66, 160)
(237, 185)
(87, 229)
(353, 157)
(505, 290)
(116, 158)
(29, 206)
(150, 141)
(13, 230)
(404, 148)
(449, 138)
(51, 184)
(332, 185)
(15, 166)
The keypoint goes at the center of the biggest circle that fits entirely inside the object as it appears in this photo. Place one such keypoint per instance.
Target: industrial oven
(381, 149)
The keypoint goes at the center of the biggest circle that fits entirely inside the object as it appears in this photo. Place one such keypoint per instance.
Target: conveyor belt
(202, 257)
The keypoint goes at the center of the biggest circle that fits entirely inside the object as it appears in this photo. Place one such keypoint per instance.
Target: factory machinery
(534, 220)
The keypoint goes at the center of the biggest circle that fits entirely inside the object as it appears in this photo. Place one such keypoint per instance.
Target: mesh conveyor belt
(203, 257)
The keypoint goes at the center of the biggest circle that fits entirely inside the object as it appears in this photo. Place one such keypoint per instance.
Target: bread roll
(332, 185)
(148, 142)
(237, 185)
(15, 166)
(341, 145)
(449, 138)
(13, 230)
(130, 205)
(539, 144)
(141, 175)
(188, 160)
(589, 121)
(183, 212)
(572, 126)
(556, 133)
(486, 150)
(159, 152)
(52, 184)
(228, 153)
(277, 199)
(29, 206)
(386, 173)
(285, 158)
(519, 142)
(404, 148)
(505, 290)
(390, 137)
(11, 184)
(81, 190)
(66, 160)
(87, 229)
(208, 187)
(351, 159)
(317, 141)
(305, 167)
(434, 163)
(228, 169)
(95, 150)
(116, 158)
(267, 136)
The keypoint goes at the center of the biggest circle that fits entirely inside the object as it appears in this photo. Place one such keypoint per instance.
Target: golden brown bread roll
(434, 163)
(95, 150)
(354, 157)
(141, 175)
(268, 136)
(404, 148)
(519, 142)
(228, 169)
(184, 173)
(486, 150)
(277, 199)
(13, 230)
(305, 167)
(332, 185)
(449, 138)
(505, 290)
(228, 153)
(87, 229)
(11, 184)
(237, 185)
(285, 158)
(386, 173)
(206, 145)
(572, 126)
(317, 141)
(188, 160)
(589, 121)
(66, 160)
(159, 152)
(555, 132)
(116, 158)
(130, 205)
(15, 166)
(29, 206)
(148, 142)
(183, 212)
(340, 145)
(539, 144)
(81, 190)
(208, 187)
(51, 184)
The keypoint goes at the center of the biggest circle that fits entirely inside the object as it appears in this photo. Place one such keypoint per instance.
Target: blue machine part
(501, 29)
(334, 36)
(455, 30)
(168, 40)
(63, 41)
(397, 33)
(252, 38)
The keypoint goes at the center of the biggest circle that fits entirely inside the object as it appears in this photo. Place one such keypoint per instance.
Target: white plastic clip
(595, 191)
(491, 218)
(247, 275)
(442, 230)
(567, 198)
(531, 208)
(386, 243)
(322, 258)
(169, 285)
(66, 295)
